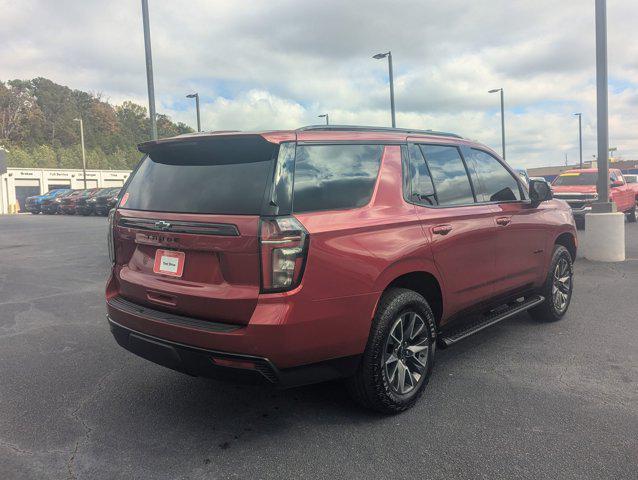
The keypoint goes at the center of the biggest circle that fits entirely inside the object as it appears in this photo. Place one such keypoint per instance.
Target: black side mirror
(539, 191)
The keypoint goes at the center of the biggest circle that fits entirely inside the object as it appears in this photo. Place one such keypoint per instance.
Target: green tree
(18, 157)
(37, 124)
(44, 156)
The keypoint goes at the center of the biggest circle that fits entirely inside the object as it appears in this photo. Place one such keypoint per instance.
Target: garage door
(90, 184)
(56, 186)
(22, 192)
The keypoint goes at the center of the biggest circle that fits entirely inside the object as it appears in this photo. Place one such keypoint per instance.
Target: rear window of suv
(227, 175)
(334, 177)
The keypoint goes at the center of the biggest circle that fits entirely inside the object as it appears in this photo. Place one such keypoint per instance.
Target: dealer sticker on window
(169, 262)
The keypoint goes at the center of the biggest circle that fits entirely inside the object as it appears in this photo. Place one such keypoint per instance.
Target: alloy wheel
(561, 285)
(406, 353)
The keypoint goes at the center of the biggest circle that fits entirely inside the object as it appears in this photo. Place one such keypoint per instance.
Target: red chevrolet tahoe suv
(329, 252)
(578, 188)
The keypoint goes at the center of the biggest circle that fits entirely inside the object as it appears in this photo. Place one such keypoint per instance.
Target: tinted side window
(332, 177)
(421, 191)
(497, 183)
(448, 174)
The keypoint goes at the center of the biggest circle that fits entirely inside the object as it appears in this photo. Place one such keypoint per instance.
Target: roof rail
(363, 128)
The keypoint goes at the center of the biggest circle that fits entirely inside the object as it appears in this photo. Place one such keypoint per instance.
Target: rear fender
(404, 267)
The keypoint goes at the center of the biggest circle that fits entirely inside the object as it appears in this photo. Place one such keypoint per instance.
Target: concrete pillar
(604, 237)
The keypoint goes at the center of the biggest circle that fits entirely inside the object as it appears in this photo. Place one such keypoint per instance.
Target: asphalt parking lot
(519, 400)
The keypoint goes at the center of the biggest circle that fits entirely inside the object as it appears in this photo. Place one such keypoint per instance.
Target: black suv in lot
(103, 201)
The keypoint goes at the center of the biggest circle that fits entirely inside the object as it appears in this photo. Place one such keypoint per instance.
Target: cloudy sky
(280, 63)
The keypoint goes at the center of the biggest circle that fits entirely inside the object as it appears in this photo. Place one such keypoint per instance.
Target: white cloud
(253, 110)
(278, 64)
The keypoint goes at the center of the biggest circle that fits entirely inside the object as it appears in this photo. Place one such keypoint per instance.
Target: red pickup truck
(578, 188)
(632, 182)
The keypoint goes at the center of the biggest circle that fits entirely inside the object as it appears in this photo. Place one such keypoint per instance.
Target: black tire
(631, 215)
(549, 311)
(371, 385)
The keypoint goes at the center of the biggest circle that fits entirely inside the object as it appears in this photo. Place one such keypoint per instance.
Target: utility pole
(379, 56)
(196, 97)
(502, 117)
(605, 226)
(603, 205)
(149, 70)
(83, 154)
(580, 137)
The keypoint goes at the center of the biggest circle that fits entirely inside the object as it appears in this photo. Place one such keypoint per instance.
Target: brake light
(110, 236)
(284, 246)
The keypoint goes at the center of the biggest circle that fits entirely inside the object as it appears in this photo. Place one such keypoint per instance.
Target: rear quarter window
(334, 177)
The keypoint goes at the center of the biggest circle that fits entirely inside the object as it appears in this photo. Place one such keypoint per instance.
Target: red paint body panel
(353, 255)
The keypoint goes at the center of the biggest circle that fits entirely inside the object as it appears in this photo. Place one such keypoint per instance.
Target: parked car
(34, 204)
(52, 206)
(295, 257)
(69, 202)
(103, 201)
(82, 205)
(578, 188)
(632, 183)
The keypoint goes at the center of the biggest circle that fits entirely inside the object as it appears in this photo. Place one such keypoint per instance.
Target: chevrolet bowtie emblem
(162, 225)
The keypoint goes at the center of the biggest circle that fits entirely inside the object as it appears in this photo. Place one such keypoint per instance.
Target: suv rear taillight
(284, 246)
(110, 238)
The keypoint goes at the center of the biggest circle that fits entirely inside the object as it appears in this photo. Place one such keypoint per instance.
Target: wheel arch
(424, 281)
(567, 240)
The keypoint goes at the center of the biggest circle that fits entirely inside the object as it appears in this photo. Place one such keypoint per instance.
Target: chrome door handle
(441, 229)
(503, 221)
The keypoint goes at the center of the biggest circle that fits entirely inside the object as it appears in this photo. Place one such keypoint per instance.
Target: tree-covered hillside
(37, 127)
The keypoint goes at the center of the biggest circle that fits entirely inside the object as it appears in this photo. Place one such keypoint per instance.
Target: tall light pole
(580, 137)
(502, 117)
(149, 70)
(379, 56)
(603, 205)
(605, 241)
(196, 97)
(83, 154)
(326, 116)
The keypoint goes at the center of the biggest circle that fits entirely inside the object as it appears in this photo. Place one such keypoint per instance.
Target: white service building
(19, 183)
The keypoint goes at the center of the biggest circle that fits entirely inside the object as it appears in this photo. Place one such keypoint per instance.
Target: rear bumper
(32, 208)
(201, 362)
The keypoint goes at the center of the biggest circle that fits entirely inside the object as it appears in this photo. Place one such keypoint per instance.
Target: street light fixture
(502, 117)
(83, 154)
(196, 97)
(379, 56)
(326, 116)
(580, 136)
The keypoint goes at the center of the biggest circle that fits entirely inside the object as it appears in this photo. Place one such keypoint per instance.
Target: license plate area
(169, 262)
